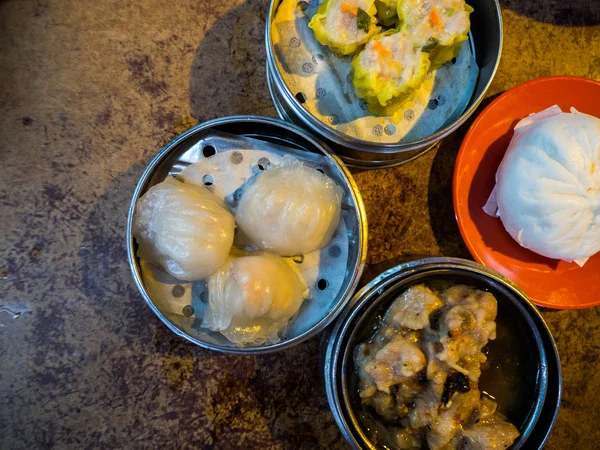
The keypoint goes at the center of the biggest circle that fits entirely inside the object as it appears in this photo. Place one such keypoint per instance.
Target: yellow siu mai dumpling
(252, 298)
(290, 210)
(345, 25)
(440, 27)
(183, 228)
(388, 70)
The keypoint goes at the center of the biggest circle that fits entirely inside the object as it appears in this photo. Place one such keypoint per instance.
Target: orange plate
(548, 282)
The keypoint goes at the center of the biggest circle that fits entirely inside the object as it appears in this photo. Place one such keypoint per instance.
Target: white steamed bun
(548, 185)
(290, 210)
(183, 228)
(251, 298)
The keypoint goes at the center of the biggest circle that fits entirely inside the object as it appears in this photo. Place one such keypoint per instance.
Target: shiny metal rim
(349, 161)
(276, 103)
(361, 239)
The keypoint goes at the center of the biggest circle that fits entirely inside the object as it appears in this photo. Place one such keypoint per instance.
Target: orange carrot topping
(455, 333)
(349, 9)
(380, 48)
(435, 18)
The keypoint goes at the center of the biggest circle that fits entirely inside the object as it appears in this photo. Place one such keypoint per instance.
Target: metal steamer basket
(524, 346)
(485, 39)
(230, 151)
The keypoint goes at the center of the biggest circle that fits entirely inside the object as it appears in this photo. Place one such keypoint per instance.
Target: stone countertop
(90, 92)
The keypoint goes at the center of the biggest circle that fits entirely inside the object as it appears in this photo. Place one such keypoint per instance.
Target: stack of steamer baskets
(312, 87)
(325, 127)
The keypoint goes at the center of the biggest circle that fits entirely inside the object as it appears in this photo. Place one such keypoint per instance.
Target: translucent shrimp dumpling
(251, 298)
(290, 210)
(183, 228)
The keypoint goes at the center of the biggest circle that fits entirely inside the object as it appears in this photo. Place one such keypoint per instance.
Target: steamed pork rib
(420, 371)
(425, 405)
(482, 436)
(397, 361)
(467, 325)
(413, 308)
(452, 418)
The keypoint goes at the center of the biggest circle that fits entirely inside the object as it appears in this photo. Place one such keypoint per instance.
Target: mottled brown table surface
(89, 91)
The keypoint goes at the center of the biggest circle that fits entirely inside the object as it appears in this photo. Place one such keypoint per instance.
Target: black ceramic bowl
(523, 372)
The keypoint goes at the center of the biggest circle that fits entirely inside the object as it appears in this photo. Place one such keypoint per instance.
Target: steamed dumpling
(548, 185)
(345, 25)
(290, 210)
(183, 228)
(251, 298)
(438, 26)
(388, 70)
(387, 13)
